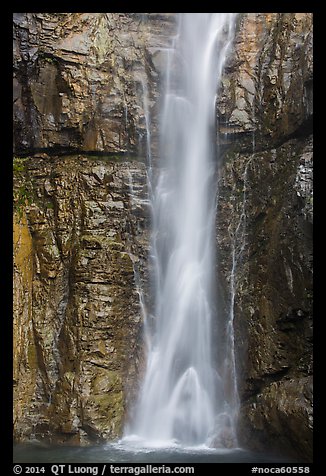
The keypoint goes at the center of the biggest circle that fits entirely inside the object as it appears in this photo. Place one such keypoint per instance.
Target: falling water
(182, 399)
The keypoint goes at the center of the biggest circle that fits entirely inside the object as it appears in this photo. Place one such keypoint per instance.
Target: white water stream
(183, 399)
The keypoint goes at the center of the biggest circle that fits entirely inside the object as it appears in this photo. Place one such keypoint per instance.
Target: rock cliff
(82, 82)
(80, 254)
(87, 81)
(87, 84)
(265, 221)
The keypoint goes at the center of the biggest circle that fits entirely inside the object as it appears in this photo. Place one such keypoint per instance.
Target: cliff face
(80, 252)
(83, 81)
(266, 94)
(265, 221)
(90, 83)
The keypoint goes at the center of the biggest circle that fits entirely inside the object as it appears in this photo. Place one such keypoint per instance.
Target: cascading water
(183, 399)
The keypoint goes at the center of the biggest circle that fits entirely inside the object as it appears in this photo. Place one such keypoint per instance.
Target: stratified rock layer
(87, 81)
(80, 253)
(267, 87)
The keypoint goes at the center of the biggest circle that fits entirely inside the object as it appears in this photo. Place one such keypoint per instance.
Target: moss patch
(22, 187)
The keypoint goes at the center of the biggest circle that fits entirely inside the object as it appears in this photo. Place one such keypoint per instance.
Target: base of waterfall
(138, 443)
(132, 452)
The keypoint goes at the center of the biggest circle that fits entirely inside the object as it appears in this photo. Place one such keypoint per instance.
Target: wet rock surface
(267, 86)
(273, 292)
(265, 213)
(80, 253)
(83, 81)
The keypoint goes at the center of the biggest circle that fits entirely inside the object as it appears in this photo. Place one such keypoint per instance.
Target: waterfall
(183, 398)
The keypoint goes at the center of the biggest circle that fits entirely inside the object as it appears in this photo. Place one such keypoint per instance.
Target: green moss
(19, 165)
(47, 57)
(23, 188)
(49, 60)
(22, 197)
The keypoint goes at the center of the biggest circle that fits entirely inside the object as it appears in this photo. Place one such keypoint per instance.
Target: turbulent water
(117, 453)
(183, 398)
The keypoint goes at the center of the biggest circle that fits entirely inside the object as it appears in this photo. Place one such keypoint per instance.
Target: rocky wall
(265, 212)
(81, 241)
(87, 81)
